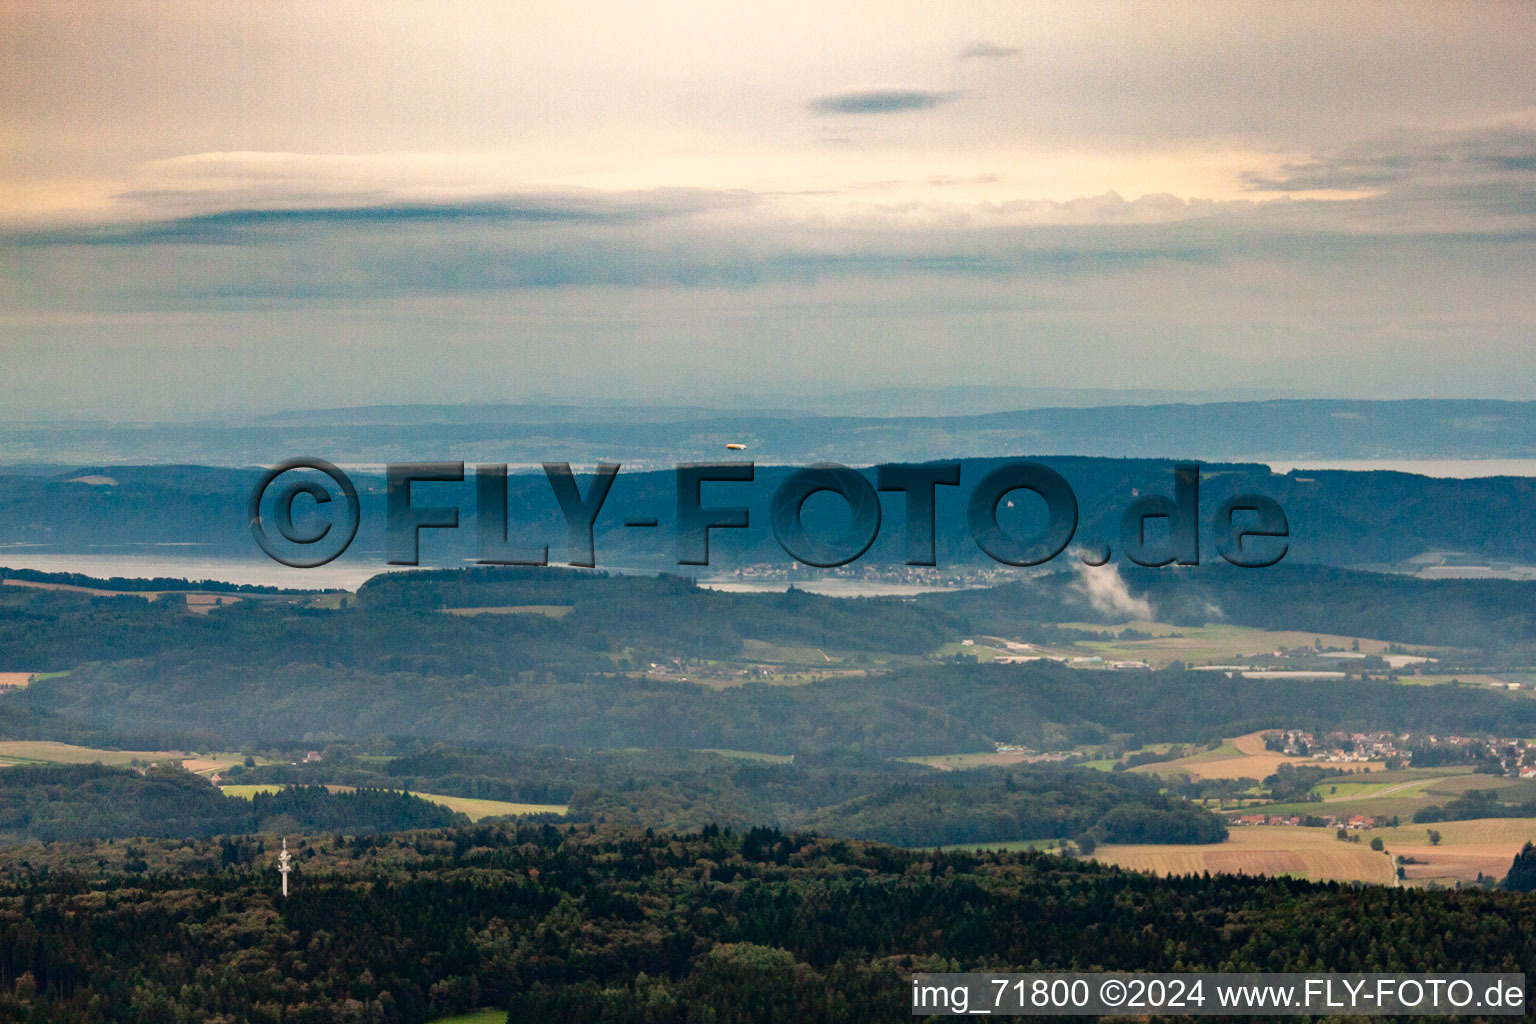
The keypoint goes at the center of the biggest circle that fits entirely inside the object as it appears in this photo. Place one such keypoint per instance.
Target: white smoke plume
(1106, 590)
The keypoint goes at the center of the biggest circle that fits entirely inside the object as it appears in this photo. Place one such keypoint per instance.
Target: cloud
(701, 239)
(1500, 152)
(274, 211)
(987, 51)
(880, 101)
(1106, 590)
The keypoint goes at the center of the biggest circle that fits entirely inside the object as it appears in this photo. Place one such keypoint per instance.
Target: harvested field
(198, 601)
(476, 809)
(1242, 757)
(202, 603)
(1198, 645)
(1466, 848)
(1261, 850)
(14, 752)
(552, 611)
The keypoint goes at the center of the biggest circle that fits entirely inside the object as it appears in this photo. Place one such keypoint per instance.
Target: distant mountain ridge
(1281, 429)
(1336, 517)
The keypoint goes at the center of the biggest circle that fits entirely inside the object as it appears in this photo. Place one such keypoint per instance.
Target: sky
(216, 209)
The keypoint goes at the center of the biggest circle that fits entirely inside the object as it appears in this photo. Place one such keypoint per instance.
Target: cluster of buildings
(1347, 821)
(1515, 757)
(1108, 663)
(911, 575)
(1339, 747)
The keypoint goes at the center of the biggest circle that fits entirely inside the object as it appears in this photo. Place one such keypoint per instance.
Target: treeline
(1494, 617)
(1475, 803)
(933, 709)
(30, 723)
(894, 802)
(398, 626)
(1292, 783)
(138, 584)
(49, 630)
(1042, 803)
(672, 614)
(57, 802)
(731, 927)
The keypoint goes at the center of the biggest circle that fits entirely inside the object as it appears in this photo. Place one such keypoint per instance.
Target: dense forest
(56, 802)
(906, 804)
(923, 710)
(573, 924)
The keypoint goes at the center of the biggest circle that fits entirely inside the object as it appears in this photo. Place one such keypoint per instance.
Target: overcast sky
(212, 208)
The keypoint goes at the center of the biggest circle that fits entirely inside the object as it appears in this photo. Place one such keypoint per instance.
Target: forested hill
(1336, 517)
(94, 802)
(574, 671)
(925, 710)
(902, 803)
(396, 620)
(642, 928)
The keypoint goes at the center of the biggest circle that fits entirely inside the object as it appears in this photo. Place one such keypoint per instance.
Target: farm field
(552, 611)
(198, 601)
(202, 604)
(1013, 846)
(477, 809)
(1314, 853)
(1390, 785)
(1484, 846)
(1163, 644)
(473, 807)
(987, 649)
(980, 759)
(725, 675)
(1403, 792)
(14, 680)
(749, 755)
(1196, 645)
(40, 585)
(777, 665)
(477, 1017)
(1466, 848)
(15, 752)
(1464, 678)
(775, 654)
(1240, 757)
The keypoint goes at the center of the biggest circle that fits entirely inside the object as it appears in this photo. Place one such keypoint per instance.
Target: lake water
(138, 565)
(346, 574)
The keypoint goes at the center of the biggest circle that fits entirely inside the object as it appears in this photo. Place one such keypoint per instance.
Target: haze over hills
(1335, 517)
(978, 399)
(1280, 429)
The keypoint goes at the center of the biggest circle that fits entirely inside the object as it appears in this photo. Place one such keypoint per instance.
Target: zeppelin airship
(735, 447)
